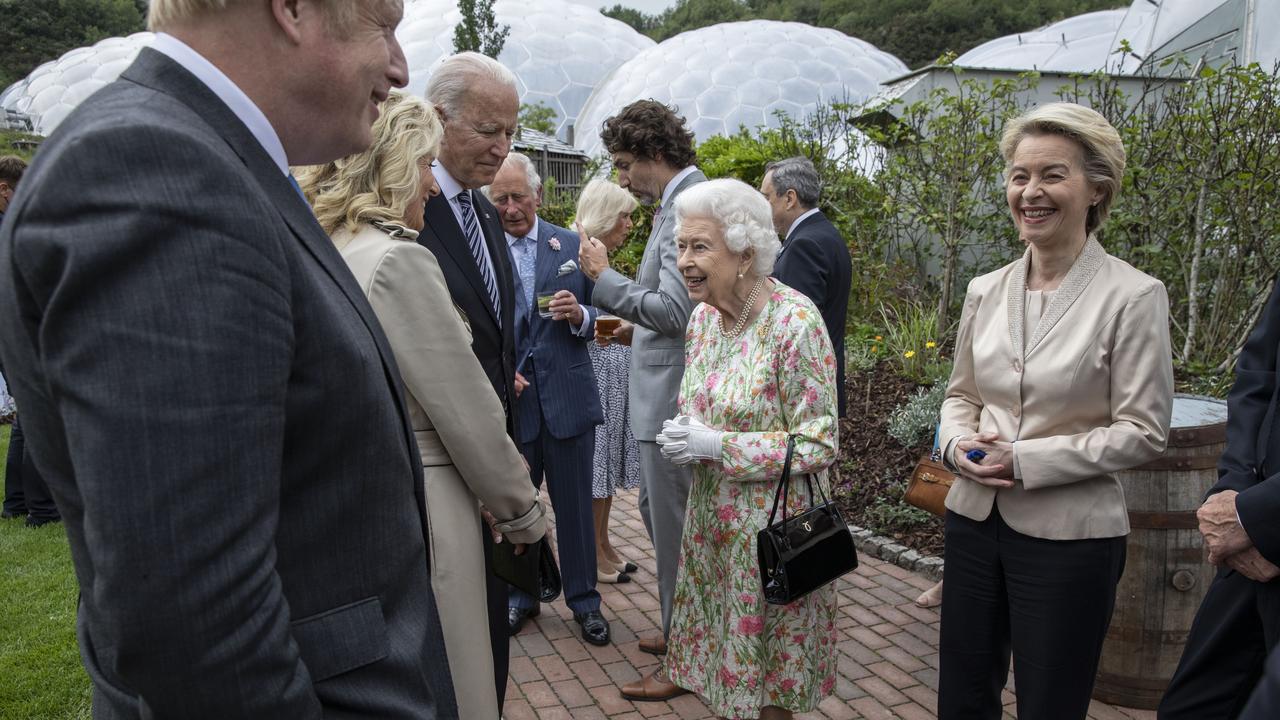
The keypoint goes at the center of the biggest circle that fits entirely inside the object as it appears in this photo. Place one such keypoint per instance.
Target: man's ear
(537, 198)
(444, 116)
(290, 14)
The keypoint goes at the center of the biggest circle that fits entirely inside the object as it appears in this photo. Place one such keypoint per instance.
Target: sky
(651, 7)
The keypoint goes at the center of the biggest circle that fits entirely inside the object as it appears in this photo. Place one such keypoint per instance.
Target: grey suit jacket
(659, 305)
(217, 413)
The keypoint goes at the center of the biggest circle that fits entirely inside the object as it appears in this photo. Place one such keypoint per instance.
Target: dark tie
(475, 240)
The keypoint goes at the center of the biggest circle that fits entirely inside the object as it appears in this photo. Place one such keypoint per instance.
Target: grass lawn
(40, 671)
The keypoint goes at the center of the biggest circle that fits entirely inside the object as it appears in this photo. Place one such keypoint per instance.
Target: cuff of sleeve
(1017, 465)
(585, 330)
(947, 456)
(524, 522)
(1257, 508)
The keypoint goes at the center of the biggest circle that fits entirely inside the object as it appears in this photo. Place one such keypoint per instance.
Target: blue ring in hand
(975, 456)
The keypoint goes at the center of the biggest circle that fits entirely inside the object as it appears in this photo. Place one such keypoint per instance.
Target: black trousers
(1264, 704)
(496, 602)
(24, 488)
(1047, 601)
(1236, 626)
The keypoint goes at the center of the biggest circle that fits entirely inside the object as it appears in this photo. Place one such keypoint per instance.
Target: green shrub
(914, 420)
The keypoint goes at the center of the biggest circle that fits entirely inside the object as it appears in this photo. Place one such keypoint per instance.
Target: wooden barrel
(1166, 575)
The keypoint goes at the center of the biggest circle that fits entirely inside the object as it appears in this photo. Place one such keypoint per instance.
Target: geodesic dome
(733, 74)
(559, 51)
(1215, 31)
(1079, 44)
(55, 88)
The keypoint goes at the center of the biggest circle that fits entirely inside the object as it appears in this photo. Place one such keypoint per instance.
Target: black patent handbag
(801, 553)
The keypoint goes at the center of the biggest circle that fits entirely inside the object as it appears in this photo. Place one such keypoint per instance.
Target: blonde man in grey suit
(1063, 375)
(207, 391)
(371, 204)
(652, 151)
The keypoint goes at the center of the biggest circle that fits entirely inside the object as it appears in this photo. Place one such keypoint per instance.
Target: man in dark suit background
(206, 389)
(814, 258)
(1239, 621)
(558, 410)
(25, 492)
(477, 101)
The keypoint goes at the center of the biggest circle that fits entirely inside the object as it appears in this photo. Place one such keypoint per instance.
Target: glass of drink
(605, 325)
(544, 305)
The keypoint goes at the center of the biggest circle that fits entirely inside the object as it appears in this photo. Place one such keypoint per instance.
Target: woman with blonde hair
(604, 212)
(371, 204)
(1063, 376)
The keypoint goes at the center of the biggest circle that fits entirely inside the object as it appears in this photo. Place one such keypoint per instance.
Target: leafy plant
(538, 116)
(914, 420)
(911, 339)
(888, 513)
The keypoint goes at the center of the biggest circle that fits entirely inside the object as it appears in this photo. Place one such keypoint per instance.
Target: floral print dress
(727, 644)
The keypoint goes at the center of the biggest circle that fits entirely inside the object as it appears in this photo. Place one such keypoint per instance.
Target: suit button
(1017, 366)
(1014, 411)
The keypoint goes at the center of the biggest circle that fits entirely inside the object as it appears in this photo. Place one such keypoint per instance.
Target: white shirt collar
(533, 233)
(796, 223)
(675, 182)
(233, 97)
(449, 187)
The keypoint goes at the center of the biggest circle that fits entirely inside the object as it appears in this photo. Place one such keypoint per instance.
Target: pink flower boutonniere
(554, 243)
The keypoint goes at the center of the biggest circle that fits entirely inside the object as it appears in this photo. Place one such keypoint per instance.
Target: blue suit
(557, 413)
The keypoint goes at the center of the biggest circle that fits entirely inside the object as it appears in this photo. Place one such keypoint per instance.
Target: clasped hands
(1227, 541)
(685, 439)
(995, 470)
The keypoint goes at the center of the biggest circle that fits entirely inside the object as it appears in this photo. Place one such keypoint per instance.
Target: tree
(479, 31)
(639, 21)
(538, 116)
(36, 31)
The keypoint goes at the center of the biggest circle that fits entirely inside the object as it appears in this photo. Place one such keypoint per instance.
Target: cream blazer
(1089, 393)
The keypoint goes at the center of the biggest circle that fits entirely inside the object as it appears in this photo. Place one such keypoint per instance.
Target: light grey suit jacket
(219, 418)
(1088, 393)
(659, 305)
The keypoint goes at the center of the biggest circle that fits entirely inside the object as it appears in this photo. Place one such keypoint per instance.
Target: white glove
(684, 439)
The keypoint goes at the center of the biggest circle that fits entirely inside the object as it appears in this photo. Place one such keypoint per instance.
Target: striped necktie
(471, 228)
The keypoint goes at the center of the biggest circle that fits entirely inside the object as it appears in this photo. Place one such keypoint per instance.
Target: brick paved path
(888, 665)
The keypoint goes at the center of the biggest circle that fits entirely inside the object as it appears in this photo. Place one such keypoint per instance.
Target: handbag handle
(780, 494)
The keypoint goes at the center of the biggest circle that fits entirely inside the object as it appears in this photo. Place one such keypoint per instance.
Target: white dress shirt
(227, 91)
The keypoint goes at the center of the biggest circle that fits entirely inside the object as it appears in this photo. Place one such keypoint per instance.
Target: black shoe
(595, 629)
(35, 522)
(13, 515)
(516, 617)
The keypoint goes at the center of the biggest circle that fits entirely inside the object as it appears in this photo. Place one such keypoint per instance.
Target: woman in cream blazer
(1063, 376)
(372, 206)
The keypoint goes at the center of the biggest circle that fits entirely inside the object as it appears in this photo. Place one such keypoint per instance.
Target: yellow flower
(909, 353)
(931, 344)
(875, 348)
(879, 338)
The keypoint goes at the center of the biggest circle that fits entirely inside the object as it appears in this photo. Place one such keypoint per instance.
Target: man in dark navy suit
(814, 258)
(1239, 621)
(477, 101)
(559, 406)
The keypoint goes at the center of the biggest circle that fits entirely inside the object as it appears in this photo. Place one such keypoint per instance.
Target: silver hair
(455, 76)
(530, 173)
(799, 174)
(740, 211)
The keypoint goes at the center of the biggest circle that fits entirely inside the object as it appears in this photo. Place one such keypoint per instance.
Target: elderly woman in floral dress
(759, 366)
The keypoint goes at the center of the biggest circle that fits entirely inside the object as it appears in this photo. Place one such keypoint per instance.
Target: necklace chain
(742, 316)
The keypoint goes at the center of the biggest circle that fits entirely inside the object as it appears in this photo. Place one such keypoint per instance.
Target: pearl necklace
(742, 316)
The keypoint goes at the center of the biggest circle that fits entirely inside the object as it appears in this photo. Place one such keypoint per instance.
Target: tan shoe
(652, 688)
(654, 645)
(930, 598)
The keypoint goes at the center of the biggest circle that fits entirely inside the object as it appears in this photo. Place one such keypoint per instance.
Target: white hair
(600, 204)
(740, 211)
(455, 76)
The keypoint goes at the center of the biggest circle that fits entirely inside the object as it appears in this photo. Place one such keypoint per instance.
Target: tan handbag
(929, 484)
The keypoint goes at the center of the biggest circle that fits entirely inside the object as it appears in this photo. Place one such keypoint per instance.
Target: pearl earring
(740, 276)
